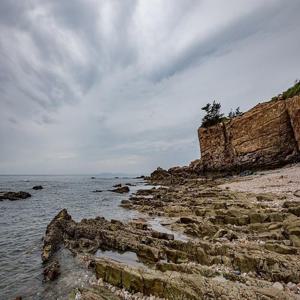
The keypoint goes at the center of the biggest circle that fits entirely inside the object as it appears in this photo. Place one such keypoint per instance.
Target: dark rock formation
(52, 271)
(14, 195)
(55, 233)
(37, 187)
(121, 190)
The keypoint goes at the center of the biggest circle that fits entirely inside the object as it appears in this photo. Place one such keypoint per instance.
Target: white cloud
(89, 86)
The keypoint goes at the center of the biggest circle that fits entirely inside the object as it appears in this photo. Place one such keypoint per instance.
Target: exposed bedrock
(240, 244)
(267, 135)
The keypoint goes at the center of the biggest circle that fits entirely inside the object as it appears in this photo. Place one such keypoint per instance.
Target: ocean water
(23, 224)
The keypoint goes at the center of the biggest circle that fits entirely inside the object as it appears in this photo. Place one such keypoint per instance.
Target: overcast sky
(91, 86)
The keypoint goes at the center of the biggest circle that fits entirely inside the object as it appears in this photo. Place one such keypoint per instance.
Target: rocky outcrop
(266, 136)
(37, 187)
(13, 196)
(216, 242)
(121, 189)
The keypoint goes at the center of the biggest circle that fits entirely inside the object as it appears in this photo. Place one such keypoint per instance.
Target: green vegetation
(289, 93)
(214, 116)
(235, 113)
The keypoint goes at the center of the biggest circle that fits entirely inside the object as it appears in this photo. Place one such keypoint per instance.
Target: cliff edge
(267, 135)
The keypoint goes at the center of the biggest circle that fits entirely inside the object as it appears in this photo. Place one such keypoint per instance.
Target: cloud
(93, 86)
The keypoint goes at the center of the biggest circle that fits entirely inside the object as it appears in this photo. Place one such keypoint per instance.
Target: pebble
(278, 285)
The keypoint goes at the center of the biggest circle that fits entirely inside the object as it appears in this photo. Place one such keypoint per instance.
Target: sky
(93, 86)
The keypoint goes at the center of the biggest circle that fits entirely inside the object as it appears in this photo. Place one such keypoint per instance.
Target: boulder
(159, 174)
(37, 187)
(52, 271)
(14, 195)
(121, 190)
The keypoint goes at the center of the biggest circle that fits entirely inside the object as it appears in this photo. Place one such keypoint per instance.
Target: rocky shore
(215, 242)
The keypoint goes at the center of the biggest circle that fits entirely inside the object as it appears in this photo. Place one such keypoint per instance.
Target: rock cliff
(268, 135)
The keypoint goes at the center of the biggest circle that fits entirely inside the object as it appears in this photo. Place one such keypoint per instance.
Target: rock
(278, 285)
(159, 174)
(126, 204)
(52, 271)
(163, 235)
(187, 220)
(266, 135)
(97, 191)
(264, 198)
(297, 193)
(18, 298)
(14, 195)
(61, 223)
(117, 185)
(121, 190)
(37, 187)
(93, 177)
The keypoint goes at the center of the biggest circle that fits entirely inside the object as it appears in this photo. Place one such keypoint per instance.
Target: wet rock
(121, 190)
(37, 187)
(12, 196)
(163, 235)
(126, 204)
(117, 185)
(187, 220)
(52, 271)
(55, 231)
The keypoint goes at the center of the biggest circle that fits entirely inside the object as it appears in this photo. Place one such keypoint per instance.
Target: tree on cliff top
(213, 114)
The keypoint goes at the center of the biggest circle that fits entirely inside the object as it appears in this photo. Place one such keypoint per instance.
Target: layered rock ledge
(236, 245)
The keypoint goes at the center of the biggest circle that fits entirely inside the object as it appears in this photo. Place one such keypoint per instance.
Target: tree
(213, 114)
(235, 113)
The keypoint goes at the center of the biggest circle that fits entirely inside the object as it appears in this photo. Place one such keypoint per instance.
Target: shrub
(235, 113)
(213, 114)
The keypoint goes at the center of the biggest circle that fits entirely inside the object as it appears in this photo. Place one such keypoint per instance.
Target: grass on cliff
(289, 93)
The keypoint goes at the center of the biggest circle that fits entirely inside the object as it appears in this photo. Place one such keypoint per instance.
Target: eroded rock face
(61, 225)
(13, 196)
(266, 136)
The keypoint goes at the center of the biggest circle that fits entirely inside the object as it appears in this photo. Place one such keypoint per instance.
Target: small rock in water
(37, 187)
(117, 185)
(12, 196)
(121, 190)
(278, 285)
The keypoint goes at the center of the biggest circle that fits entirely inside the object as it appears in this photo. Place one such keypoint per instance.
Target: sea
(23, 224)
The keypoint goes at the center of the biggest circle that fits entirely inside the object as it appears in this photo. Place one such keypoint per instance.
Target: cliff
(268, 135)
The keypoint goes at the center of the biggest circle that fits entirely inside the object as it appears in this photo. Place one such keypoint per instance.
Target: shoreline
(239, 243)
